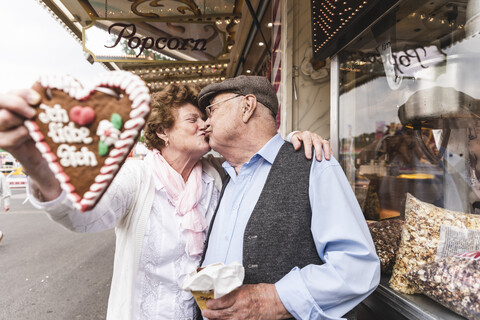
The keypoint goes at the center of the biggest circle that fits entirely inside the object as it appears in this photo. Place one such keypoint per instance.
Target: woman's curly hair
(163, 103)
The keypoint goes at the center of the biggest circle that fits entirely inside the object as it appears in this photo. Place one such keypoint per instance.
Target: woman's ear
(161, 134)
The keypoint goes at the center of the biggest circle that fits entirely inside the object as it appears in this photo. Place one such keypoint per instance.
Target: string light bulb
(330, 16)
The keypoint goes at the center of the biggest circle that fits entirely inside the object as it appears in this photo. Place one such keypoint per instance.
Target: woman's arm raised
(15, 108)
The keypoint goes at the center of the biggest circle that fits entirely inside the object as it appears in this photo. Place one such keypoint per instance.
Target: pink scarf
(185, 197)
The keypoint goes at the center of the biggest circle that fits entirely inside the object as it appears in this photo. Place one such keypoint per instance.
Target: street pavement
(48, 272)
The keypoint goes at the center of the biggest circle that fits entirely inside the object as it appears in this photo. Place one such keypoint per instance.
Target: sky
(33, 43)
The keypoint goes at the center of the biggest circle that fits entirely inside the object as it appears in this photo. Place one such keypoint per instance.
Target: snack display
(420, 237)
(386, 237)
(85, 134)
(452, 281)
(213, 281)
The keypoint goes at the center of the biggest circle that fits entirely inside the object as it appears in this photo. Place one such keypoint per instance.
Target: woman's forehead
(188, 109)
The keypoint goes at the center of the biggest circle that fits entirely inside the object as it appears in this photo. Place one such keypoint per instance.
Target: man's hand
(309, 138)
(251, 301)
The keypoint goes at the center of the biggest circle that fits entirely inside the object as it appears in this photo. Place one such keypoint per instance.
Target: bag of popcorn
(421, 237)
(452, 281)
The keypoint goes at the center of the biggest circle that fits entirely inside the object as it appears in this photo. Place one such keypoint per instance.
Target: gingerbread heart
(86, 133)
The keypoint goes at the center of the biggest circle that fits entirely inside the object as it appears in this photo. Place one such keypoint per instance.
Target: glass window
(409, 110)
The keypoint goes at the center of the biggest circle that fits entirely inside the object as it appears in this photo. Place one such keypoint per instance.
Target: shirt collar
(270, 150)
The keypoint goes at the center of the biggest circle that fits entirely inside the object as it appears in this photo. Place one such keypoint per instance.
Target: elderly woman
(160, 207)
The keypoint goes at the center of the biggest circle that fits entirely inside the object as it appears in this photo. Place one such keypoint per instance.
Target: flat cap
(259, 86)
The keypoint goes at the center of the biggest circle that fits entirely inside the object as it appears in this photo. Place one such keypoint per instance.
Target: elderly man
(294, 223)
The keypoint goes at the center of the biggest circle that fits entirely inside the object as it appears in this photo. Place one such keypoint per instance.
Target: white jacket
(129, 230)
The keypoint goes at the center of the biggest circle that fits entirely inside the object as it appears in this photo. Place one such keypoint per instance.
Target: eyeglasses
(208, 108)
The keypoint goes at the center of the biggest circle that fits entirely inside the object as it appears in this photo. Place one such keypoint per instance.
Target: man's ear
(249, 107)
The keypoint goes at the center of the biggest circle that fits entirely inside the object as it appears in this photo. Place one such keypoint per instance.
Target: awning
(182, 41)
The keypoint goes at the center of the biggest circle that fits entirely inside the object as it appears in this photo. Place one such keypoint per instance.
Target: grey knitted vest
(278, 236)
(280, 220)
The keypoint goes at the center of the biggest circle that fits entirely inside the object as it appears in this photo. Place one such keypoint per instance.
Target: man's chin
(210, 141)
(211, 144)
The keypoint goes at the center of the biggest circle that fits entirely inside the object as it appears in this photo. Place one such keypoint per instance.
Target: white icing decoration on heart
(107, 132)
(55, 114)
(68, 133)
(69, 156)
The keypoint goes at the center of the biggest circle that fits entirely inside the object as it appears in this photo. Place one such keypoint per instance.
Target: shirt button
(226, 238)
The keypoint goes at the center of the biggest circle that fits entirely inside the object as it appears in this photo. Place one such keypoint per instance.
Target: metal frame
(251, 36)
(334, 104)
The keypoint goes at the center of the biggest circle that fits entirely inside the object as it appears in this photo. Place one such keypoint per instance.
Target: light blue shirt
(351, 269)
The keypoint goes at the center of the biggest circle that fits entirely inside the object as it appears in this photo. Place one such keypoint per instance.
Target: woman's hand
(15, 108)
(310, 139)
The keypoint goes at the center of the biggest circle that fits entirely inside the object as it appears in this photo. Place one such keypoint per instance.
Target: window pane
(408, 109)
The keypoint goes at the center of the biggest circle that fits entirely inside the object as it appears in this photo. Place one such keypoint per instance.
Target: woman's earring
(166, 143)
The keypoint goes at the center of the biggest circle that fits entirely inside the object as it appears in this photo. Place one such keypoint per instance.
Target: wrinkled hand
(309, 138)
(251, 301)
(15, 108)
